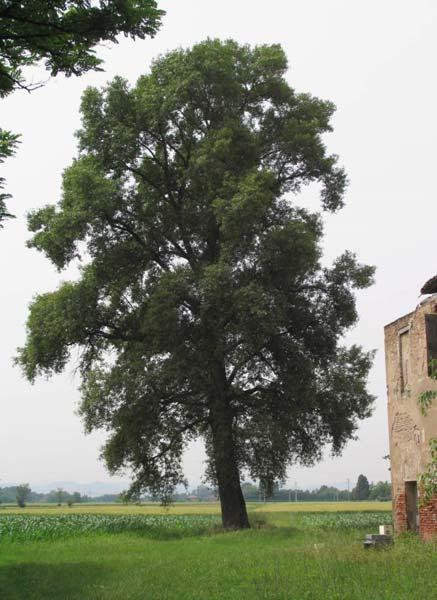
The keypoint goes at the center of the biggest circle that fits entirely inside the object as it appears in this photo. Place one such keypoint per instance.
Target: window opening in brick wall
(431, 339)
(411, 505)
(404, 353)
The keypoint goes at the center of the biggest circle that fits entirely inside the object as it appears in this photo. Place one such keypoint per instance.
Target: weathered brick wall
(400, 513)
(409, 430)
(428, 520)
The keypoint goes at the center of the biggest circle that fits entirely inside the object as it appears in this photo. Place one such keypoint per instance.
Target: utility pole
(348, 486)
(289, 495)
(295, 491)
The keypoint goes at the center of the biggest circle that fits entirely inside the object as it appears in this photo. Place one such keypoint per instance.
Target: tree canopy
(380, 491)
(8, 142)
(63, 34)
(23, 492)
(203, 309)
(362, 489)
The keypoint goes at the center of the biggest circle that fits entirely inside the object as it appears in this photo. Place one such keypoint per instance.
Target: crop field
(195, 508)
(145, 552)
(49, 527)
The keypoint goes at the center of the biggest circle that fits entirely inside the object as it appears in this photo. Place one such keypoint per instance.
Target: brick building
(410, 345)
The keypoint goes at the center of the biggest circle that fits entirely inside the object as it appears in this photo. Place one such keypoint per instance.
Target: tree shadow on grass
(141, 532)
(267, 521)
(161, 535)
(44, 581)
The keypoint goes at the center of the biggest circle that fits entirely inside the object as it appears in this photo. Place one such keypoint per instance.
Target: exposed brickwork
(400, 513)
(407, 360)
(428, 520)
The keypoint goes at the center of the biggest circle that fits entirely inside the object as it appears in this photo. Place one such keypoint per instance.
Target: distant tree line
(22, 494)
(363, 490)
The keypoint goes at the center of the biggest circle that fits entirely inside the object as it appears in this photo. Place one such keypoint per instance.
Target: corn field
(345, 520)
(49, 527)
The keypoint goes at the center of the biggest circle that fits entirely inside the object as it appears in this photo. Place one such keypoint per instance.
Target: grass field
(315, 553)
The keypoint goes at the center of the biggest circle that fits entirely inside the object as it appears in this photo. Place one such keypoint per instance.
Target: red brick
(428, 520)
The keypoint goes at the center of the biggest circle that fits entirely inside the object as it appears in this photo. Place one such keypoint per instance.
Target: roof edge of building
(422, 303)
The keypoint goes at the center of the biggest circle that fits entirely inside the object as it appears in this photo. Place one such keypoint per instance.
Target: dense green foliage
(362, 490)
(286, 559)
(202, 308)
(22, 494)
(63, 34)
(428, 479)
(8, 143)
(380, 491)
(9, 494)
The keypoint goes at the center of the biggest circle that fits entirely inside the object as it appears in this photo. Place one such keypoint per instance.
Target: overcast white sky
(377, 62)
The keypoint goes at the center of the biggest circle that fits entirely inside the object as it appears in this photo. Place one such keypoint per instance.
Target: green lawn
(287, 555)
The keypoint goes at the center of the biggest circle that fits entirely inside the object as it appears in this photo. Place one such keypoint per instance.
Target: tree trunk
(233, 505)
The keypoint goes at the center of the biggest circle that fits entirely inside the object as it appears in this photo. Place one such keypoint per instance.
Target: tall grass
(289, 556)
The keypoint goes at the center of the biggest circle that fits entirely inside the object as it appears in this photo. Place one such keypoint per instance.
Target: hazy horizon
(98, 488)
(375, 61)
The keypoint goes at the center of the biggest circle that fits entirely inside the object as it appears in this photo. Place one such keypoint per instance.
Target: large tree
(202, 309)
(63, 34)
(23, 492)
(362, 490)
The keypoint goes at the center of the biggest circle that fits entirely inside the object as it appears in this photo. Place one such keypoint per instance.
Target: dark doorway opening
(412, 505)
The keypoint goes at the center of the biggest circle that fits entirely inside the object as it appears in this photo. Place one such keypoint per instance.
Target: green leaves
(89, 202)
(58, 321)
(8, 144)
(203, 296)
(428, 479)
(64, 33)
(243, 215)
